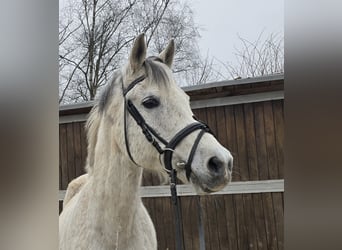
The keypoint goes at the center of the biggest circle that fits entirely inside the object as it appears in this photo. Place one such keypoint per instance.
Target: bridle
(166, 150)
(153, 137)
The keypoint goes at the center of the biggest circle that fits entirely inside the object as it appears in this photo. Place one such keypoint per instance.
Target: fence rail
(238, 187)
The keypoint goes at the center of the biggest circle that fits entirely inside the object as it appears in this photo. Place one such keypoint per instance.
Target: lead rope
(178, 215)
(176, 210)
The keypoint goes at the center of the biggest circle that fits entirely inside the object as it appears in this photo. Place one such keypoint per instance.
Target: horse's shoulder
(74, 187)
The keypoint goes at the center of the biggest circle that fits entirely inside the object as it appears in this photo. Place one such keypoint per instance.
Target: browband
(132, 84)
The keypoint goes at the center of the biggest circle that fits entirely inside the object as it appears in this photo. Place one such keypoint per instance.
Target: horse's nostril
(215, 165)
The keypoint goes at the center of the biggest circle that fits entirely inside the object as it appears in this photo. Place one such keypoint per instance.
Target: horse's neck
(115, 193)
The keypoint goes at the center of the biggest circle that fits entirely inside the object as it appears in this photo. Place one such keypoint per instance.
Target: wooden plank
(251, 144)
(261, 141)
(271, 234)
(159, 213)
(279, 218)
(279, 134)
(250, 221)
(231, 140)
(259, 80)
(212, 223)
(211, 119)
(270, 141)
(64, 156)
(243, 187)
(221, 219)
(170, 225)
(221, 126)
(196, 112)
(73, 118)
(159, 224)
(203, 205)
(199, 241)
(243, 88)
(202, 115)
(259, 221)
(231, 222)
(241, 142)
(82, 105)
(237, 99)
(189, 229)
(242, 235)
(71, 153)
(230, 91)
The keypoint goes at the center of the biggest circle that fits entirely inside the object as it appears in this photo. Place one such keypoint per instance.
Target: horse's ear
(167, 54)
(138, 53)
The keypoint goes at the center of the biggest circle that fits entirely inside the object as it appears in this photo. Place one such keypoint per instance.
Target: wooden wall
(72, 152)
(254, 133)
(239, 221)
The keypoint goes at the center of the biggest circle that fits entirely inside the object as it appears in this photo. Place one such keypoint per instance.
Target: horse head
(158, 128)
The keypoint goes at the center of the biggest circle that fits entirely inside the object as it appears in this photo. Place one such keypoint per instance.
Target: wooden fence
(248, 118)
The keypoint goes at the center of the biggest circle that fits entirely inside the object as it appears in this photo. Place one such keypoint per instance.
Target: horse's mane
(92, 127)
(153, 69)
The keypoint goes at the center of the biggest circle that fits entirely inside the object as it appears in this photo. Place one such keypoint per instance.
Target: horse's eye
(151, 102)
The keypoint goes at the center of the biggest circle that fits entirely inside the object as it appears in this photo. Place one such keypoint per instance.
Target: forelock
(155, 70)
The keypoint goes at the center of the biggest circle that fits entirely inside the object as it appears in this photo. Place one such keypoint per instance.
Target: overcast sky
(223, 20)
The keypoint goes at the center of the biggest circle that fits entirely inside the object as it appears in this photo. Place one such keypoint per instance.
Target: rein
(166, 150)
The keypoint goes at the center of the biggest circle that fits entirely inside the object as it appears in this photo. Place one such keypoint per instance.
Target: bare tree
(202, 71)
(257, 58)
(95, 35)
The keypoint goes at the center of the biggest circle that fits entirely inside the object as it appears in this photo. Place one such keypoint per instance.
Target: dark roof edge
(267, 78)
(80, 105)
